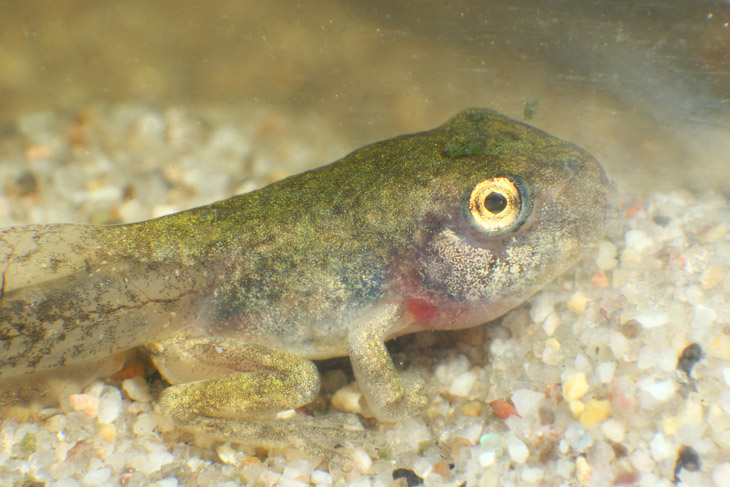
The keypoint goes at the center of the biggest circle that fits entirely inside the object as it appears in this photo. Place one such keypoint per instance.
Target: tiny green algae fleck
(531, 107)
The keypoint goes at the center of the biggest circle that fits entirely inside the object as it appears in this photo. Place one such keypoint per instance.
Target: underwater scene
(515, 272)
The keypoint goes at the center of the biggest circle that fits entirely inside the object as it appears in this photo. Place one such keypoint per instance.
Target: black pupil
(495, 203)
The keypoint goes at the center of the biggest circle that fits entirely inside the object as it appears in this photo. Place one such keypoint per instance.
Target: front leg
(232, 389)
(374, 370)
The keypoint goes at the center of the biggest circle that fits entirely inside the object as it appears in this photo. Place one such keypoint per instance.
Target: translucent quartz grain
(614, 430)
(652, 319)
(533, 474)
(462, 384)
(517, 450)
(137, 389)
(526, 402)
(605, 371)
(659, 390)
(110, 404)
(661, 447)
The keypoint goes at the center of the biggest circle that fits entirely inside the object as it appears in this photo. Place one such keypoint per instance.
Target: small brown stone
(503, 409)
(631, 329)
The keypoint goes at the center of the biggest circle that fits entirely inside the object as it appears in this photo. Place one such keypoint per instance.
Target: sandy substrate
(616, 374)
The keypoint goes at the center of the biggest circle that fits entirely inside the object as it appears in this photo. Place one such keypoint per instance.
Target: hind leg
(233, 389)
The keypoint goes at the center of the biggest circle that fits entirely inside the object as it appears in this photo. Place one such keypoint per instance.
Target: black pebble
(687, 459)
(690, 356)
(409, 475)
(661, 220)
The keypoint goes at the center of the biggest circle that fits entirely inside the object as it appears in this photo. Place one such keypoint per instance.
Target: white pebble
(642, 461)
(447, 370)
(652, 319)
(533, 474)
(541, 307)
(299, 468)
(320, 477)
(97, 476)
(110, 404)
(362, 460)
(196, 464)
(227, 454)
(619, 345)
(137, 389)
(703, 317)
(496, 349)
(614, 430)
(605, 371)
(606, 258)
(462, 384)
(661, 448)
(158, 459)
(518, 451)
(661, 390)
(638, 240)
(667, 359)
(487, 459)
(551, 323)
(348, 399)
(422, 467)
(470, 428)
(721, 475)
(526, 401)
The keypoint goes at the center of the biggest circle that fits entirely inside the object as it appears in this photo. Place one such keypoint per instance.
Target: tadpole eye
(498, 205)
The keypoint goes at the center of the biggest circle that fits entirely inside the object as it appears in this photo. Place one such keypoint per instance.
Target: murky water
(645, 86)
(122, 111)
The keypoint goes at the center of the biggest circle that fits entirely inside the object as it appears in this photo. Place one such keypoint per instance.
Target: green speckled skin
(326, 263)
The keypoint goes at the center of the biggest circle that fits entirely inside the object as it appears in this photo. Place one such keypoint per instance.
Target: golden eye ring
(498, 205)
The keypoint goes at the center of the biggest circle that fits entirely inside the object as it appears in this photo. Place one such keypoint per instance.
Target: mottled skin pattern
(234, 298)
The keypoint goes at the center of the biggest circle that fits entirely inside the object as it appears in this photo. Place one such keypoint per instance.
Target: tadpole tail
(70, 293)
